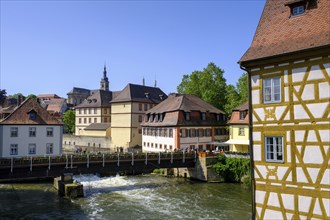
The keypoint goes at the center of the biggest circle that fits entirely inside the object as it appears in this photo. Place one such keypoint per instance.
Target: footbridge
(15, 169)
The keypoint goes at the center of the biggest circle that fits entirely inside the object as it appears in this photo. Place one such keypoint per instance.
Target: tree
(16, 95)
(208, 84)
(242, 87)
(69, 121)
(236, 96)
(2, 96)
(32, 96)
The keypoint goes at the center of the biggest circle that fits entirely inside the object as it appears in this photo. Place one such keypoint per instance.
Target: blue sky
(52, 46)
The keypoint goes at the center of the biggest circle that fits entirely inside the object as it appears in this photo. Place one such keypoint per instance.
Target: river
(132, 197)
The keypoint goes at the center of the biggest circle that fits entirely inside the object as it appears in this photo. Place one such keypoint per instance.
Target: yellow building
(239, 129)
(127, 113)
(288, 64)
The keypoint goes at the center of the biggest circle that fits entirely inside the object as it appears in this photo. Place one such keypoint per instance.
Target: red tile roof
(278, 33)
(20, 115)
(235, 115)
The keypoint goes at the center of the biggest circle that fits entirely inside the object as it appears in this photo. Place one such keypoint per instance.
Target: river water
(133, 197)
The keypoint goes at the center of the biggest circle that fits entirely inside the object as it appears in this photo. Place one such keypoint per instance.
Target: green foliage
(2, 96)
(158, 171)
(69, 121)
(16, 95)
(246, 180)
(32, 96)
(232, 169)
(208, 84)
(236, 96)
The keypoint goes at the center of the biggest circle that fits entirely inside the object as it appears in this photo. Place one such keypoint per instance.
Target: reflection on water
(134, 197)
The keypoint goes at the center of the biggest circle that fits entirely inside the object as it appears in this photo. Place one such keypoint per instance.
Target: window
(49, 148)
(203, 116)
(50, 132)
(32, 148)
(89, 120)
(151, 118)
(32, 131)
(193, 132)
(170, 132)
(95, 111)
(297, 10)
(95, 120)
(14, 132)
(140, 106)
(218, 117)
(105, 120)
(274, 148)
(140, 131)
(13, 149)
(165, 132)
(79, 120)
(156, 145)
(157, 117)
(146, 119)
(32, 115)
(241, 131)
(272, 90)
(105, 111)
(241, 115)
(85, 120)
(80, 111)
(188, 133)
(145, 107)
(85, 111)
(201, 132)
(183, 133)
(208, 133)
(187, 116)
(89, 111)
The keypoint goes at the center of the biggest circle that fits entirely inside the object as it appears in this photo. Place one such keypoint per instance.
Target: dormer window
(298, 7)
(32, 115)
(297, 10)
(187, 116)
(203, 116)
(242, 115)
(151, 118)
(161, 117)
(147, 118)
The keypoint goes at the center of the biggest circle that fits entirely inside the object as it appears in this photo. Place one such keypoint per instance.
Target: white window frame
(241, 131)
(49, 148)
(32, 132)
(49, 132)
(298, 10)
(13, 149)
(271, 88)
(274, 149)
(14, 132)
(32, 148)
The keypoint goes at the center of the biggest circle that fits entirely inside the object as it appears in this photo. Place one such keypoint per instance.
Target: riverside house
(288, 64)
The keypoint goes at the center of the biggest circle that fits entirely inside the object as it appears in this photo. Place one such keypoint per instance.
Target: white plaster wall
(324, 90)
(298, 74)
(255, 97)
(255, 80)
(23, 140)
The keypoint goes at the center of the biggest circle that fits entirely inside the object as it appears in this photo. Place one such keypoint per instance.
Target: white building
(183, 122)
(30, 131)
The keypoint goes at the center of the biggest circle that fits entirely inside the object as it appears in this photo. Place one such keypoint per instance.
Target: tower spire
(104, 81)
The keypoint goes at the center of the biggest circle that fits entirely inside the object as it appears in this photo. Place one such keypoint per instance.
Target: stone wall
(88, 143)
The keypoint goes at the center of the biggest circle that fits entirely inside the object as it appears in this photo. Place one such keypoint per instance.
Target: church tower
(104, 81)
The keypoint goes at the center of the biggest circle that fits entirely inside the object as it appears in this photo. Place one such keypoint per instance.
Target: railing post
(31, 164)
(158, 157)
(66, 163)
(118, 160)
(11, 164)
(71, 162)
(87, 160)
(132, 159)
(195, 156)
(171, 157)
(103, 160)
(146, 161)
(48, 162)
(183, 157)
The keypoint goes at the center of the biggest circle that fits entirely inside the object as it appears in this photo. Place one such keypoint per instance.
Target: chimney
(19, 100)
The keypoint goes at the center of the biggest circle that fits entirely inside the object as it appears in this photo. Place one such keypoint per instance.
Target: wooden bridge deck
(12, 169)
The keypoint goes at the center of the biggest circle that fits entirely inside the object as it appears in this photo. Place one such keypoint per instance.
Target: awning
(231, 141)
